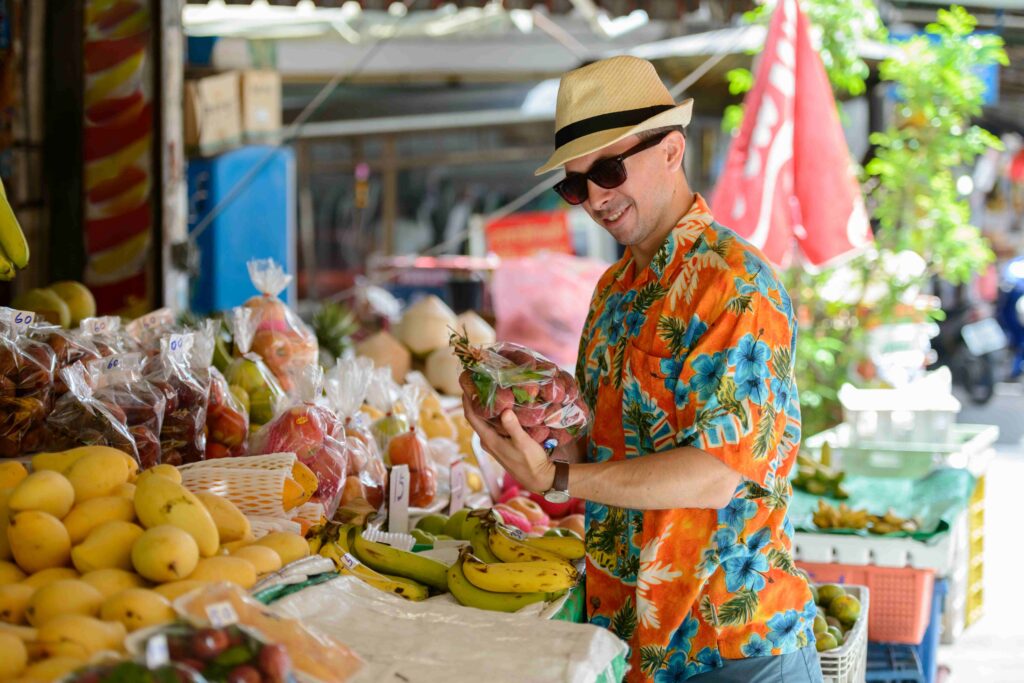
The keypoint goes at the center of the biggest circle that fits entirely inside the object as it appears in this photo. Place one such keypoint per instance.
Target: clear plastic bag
(82, 419)
(249, 377)
(286, 344)
(227, 421)
(106, 335)
(118, 381)
(27, 370)
(182, 369)
(410, 448)
(149, 329)
(314, 433)
(385, 396)
(507, 376)
(346, 385)
(124, 671)
(70, 347)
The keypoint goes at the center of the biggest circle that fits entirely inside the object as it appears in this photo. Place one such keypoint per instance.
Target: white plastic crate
(939, 555)
(849, 663)
(923, 412)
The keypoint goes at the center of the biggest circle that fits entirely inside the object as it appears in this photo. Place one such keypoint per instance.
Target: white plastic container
(849, 663)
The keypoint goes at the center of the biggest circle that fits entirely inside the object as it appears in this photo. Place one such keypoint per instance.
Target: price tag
(179, 344)
(21, 320)
(150, 322)
(157, 652)
(350, 562)
(515, 533)
(398, 503)
(221, 614)
(458, 479)
(101, 325)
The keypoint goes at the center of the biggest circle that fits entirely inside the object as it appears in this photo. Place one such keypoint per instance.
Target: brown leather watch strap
(561, 482)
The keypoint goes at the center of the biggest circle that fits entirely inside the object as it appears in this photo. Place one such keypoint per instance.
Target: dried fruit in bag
(503, 376)
(285, 343)
(314, 433)
(80, 418)
(250, 380)
(346, 385)
(27, 369)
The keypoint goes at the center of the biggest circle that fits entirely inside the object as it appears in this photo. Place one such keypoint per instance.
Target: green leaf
(740, 81)
(652, 659)
(673, 331)
(648, 294)
(624, 621)
(738, 305)
(780, 559)
(521, 396)
(765, 439)
(782, 362)
(740, 610)
(617, 361)
(708, 611)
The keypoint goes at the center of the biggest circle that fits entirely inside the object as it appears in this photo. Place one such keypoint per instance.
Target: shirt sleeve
(738, 384)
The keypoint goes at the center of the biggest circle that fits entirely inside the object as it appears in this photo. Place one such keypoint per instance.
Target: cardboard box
(261, 103)
(213, 119)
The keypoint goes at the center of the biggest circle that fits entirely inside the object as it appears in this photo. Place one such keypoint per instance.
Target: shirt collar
(677, 244)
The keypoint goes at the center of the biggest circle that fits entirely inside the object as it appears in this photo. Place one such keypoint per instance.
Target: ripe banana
(469, 595)
(390, 560)
(476, 533)
(316, 536)
(508, 549)
(7, 269)
(337, 550)
(520, 577)
(567, 547)
(13, 245)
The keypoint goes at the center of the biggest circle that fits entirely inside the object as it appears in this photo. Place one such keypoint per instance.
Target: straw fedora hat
(604, 102)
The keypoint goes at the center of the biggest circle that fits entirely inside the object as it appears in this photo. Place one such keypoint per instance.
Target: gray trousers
(796, 667)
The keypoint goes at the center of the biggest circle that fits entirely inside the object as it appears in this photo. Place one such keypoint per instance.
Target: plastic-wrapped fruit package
(507, 376)
(248, 376)
(231, 654)
(346, 385)
(27, 371)
(410, 448)
(385, 396)
(80, 418)
(135, 672)
(182, 367)
(149, 329)
(106, 335)
(118, 380)
(286, 344)
(227, 421)
(69, 347)
(314, 433)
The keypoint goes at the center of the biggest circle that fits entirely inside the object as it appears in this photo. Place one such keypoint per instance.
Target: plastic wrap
(346, 385)
(27, 370)
(118, 381)
(149, 329)
(182, 368)
(286, 344)
(314, 433)
(384, 396)
(507, 376)
(249, 377)
(126, 671)
(410, 448)
(80, 418)
(69, 347)
(227, 421)
(231, 653)
(319, 657)
(106, 335)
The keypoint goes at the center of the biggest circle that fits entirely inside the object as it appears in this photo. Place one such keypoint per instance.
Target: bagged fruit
(118, 380)
(315, 656)
(182, 368)
(248, 376)
(229, 654)
(69, 347)
(286, 344)
(149, 329)
(314, 433)
(410, 448)
(80, 418)
(385, 397)
(346, 385)
(227, 421)
(507, 376)
(105, 334)
(127, 671)
(27, 371)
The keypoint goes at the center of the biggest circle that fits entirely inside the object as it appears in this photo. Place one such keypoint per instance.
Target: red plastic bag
(346, 385)
(227, 422)
(314, 433)
(542, 301)
(286, 344)
(507, 376)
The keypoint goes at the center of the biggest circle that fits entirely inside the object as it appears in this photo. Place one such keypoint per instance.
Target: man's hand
(523, 457)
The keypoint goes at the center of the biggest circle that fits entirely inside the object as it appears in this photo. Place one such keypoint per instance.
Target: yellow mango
(89, 514)
(225, 568)
(289, 547)
(10, 573)
(108, 546)
(47, 576)
(5, 518)
(110, 581)
(159, 501)
(126, 491)
(13, 657)
(44, 491)
(137, 608)
(172, 590)
(38, 541)
(165, 553)
(67, 596)
(69, 633)
(11, 474)
(163, 470)
(53, 668)
(232, 525)
(14, 599)
(97, 474)
(262, 558)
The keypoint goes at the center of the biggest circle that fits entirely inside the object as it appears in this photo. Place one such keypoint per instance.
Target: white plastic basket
(924, 411)
(254, 484)
(849, 663)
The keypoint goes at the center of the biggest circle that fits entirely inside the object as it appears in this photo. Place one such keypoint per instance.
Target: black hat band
(616, 119)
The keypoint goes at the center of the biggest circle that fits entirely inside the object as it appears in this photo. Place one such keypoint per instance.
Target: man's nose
(597, 195)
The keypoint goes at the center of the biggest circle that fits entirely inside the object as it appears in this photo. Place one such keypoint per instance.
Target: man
(686, 362)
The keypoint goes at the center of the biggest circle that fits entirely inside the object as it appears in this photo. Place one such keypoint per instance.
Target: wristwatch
(559, 491)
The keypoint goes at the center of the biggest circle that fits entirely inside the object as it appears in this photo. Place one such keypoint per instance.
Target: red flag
(788, 174)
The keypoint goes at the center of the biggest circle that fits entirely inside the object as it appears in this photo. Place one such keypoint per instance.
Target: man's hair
(655, 132)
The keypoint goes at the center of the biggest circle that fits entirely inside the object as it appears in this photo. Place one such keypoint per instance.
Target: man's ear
(675, 146)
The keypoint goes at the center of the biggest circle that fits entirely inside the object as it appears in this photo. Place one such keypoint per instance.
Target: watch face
(555, 496)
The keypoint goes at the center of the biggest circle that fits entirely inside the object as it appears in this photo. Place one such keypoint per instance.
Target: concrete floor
(992, 650)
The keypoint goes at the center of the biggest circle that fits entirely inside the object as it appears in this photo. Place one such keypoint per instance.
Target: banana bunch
(818, 478)
(13, 245)
(843, 517)
(334, 542)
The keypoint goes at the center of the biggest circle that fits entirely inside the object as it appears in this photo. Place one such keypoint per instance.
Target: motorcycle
(1010, 311)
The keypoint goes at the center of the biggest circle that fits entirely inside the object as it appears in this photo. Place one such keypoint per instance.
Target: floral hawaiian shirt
(696, 350)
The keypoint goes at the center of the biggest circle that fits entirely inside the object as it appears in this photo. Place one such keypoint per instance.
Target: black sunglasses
(607, 173)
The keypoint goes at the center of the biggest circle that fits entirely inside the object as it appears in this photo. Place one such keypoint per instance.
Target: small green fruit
(432, 524)
(828, 593)
(825, 642)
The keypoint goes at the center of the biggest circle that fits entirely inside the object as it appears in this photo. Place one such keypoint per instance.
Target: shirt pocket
(650, 408)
